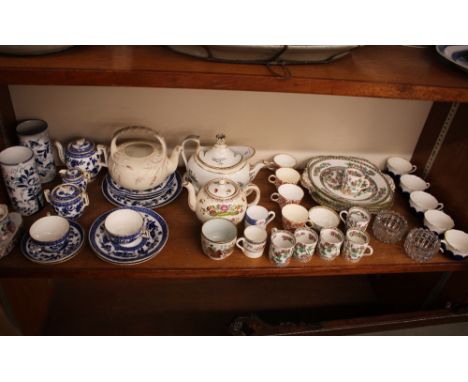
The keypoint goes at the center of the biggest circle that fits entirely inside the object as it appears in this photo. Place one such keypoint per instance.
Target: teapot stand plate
(143, 251)
(33, 252)
(171, 191)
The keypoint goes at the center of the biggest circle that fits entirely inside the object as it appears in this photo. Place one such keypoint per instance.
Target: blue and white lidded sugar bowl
(75, 176)
(68, 200)
(84, 154)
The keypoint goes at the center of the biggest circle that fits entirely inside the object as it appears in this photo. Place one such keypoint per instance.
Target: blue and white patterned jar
(84, 154)
(68, 200)
(21, 179)
(75, 176)
(33, 133)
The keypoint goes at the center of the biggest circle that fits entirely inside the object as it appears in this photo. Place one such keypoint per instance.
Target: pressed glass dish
(421, 245)
(389, 226)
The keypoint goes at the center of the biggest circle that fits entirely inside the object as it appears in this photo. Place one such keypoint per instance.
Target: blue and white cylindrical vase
(21, 179)
(33, 133)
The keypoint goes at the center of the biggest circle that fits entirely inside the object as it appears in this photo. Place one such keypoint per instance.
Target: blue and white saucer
(155, 198)
(145, 249)
(34, 252)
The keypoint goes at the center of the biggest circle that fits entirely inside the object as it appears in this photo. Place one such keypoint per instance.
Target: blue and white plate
(169, 193)
(145, 249)
(34, 252)
(457, 54)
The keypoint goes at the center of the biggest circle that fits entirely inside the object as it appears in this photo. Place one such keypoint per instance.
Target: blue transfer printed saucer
(145, 249)
(34, 252)
(164, 196)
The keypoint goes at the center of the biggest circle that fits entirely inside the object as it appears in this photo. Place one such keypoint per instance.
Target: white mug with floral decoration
(356, 218)
(253, 243)
(282, 245)
(306, 241)
(218, 238)
(330, 243)
(356, 245)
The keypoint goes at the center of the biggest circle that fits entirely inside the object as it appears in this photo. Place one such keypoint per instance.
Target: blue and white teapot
(84, 154)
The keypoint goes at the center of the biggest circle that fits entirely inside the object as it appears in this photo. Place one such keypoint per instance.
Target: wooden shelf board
(182, 257)
(371, 71)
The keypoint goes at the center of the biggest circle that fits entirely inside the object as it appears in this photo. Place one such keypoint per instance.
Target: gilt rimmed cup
(285, 176)
(288, 194)
(258, 216)
(50, 233)
(320, 217)
(125, 227)
(356, 218)
(281, 160)
(218, 238)
(253, 243)
(330, 243)
(306, 241)
(294, 216)
(282, 245)
(356, 245)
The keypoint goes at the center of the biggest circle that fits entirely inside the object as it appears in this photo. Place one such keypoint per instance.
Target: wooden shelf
(182, 257)
(371, 71)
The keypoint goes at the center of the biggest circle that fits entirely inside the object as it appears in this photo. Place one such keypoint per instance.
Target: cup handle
(238, 243)
(47, 195)
(440, 206)
(428, 185)
(344, 212)
(413, 169)
(274, 197)
(85, 199)
(252, 188)
(370, 252)
(270, 165)
(270, 217)
(272, 179)
(309, 224)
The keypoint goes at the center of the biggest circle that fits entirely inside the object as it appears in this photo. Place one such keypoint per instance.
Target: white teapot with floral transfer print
(221, 198)
(219, 161)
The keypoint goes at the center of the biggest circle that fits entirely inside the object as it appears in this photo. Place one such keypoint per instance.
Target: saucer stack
(163, 194)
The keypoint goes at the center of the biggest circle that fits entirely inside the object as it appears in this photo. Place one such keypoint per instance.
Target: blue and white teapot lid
(81, 146)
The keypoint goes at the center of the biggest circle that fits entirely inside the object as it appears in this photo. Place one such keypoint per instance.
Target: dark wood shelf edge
(141, 273)
(217, 81)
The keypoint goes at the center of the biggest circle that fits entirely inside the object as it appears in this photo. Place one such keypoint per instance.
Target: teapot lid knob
(220, 138)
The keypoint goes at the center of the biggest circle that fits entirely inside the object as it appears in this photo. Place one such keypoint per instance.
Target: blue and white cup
(4, 221)
(259, 216)
(50, 233)
(33, 133)
(125, 227)
(21, 179)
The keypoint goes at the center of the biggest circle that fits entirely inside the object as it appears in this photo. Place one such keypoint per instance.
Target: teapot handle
(190, 138)
(252, 188)
(141, 129)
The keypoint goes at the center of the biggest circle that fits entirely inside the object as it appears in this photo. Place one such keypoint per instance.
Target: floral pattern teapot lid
(222, 189)
(222, 156)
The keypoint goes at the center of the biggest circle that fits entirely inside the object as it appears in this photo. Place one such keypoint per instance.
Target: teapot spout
(192, 195)
(60, 151)
(255, 169)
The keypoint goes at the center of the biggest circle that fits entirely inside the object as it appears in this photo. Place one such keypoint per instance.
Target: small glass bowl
(389, 226)
(421, 245)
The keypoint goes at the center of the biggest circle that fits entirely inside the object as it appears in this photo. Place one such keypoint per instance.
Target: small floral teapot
(84, 154)
(221, 198)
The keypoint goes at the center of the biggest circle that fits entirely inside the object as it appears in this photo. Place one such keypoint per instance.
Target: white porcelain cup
(356, 245)
(50, 233)
(281, 161)
(320, 217)
(284, 176)
(288, 194)
(456, 241)
(282, 245)
(422, 201)
(253, 243)
(125, 227)
(306, 241)
(259, 216)
(4, 221)
(400, 166)
(438, 221)
(218, 238)
(294, 216)
(330, 243)
(356, 218)
(410, 183)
